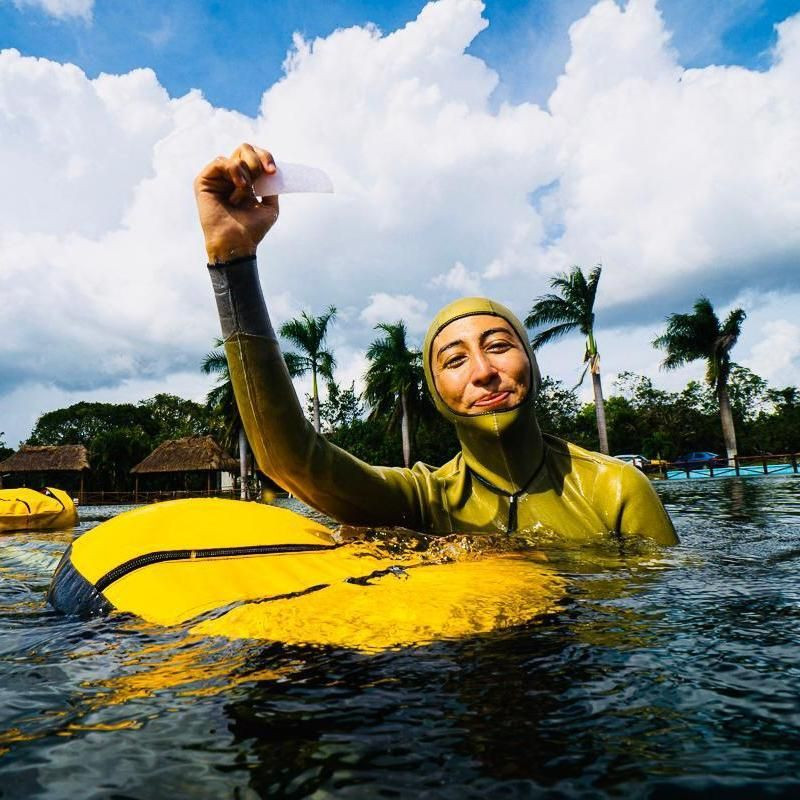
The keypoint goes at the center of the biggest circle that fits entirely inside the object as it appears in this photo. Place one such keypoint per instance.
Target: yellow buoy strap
(160, 556)
(396, 570)
(47, 493)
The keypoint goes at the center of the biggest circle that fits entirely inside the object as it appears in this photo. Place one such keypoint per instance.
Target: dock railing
(102, 498)
(742, 466)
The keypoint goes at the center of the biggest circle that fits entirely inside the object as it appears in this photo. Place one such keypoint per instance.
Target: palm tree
(221, 400)
(700, 335)
(307, 333)
(394, 380)
(573, 308)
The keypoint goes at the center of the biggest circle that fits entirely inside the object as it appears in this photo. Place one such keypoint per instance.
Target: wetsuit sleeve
(641, 510)
(285, 444)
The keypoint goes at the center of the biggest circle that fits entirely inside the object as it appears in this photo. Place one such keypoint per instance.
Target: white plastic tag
(293, 178)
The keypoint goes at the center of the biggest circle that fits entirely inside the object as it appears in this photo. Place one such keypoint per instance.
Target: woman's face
(480, 365)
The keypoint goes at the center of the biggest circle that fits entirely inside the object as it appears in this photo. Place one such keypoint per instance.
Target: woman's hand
(234, 221)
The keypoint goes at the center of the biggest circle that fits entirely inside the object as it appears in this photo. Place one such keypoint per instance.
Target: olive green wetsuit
(507, 477)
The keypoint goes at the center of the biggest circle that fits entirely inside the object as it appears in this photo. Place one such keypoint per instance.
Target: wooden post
(136, 488)
(736, 464)
(794, 462)
(80, 491)
(208, 482)
(764, 462)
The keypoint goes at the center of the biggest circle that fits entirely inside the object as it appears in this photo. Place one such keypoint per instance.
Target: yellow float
(245, 570)
(32, 510)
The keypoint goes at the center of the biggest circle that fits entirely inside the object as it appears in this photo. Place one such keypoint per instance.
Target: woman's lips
(496, 399)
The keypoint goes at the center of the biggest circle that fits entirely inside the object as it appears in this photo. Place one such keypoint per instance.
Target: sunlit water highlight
(659, 674)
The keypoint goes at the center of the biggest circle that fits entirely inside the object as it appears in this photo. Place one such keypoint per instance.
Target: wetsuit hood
(502, 448)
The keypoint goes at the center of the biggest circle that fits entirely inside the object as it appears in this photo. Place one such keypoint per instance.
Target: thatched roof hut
(191, 454)
(31, 459)
(47, 458)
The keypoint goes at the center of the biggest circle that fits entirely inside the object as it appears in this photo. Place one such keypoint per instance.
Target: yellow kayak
(245, 570)
(32, 510)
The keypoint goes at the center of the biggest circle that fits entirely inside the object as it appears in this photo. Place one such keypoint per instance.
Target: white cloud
(680, 182)
(391, 308)
(777, 355)
(459, 280)
(27, 402)
(674, 177)
(60, 9)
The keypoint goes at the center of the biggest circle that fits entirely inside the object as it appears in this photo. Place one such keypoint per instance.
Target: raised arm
(284, 443)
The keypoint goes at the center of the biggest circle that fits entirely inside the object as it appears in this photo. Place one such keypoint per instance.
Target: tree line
(394, 421)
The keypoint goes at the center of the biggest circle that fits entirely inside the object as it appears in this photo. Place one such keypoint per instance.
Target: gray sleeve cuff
(240, 302)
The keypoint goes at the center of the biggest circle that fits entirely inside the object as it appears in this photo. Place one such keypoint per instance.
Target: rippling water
(662, 674)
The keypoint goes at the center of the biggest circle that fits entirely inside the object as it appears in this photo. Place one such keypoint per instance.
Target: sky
(476, 148)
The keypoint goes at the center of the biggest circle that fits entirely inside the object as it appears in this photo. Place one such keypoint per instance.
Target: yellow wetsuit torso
(507, 477)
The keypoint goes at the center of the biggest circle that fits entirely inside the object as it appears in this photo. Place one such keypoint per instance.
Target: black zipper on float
(160, 556)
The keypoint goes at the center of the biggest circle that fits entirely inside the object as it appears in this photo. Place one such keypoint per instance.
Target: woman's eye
(456, 361)
(498, 347)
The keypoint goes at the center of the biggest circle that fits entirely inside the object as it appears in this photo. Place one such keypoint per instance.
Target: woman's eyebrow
(481, 338)
(489, 332)
(448, 346)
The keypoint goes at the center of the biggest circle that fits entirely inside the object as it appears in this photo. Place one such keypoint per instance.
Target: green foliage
(308, 334)
(82, 423)
(224, 421)
(776, 429)
(366, 439)
(748, 393)
(700, 336)
(394, 368)
(557, 408)
(435, 441)
(395, 381)
(571, 308)
(119, 435)
(5, 451)
(341, 408)
(176, 417)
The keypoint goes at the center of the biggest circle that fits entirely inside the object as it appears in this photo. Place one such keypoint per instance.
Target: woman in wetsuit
(481, 373)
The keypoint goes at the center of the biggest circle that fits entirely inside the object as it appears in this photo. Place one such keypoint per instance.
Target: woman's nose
(482, 369)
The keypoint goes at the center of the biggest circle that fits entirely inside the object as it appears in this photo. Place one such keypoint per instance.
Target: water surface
(662, 673)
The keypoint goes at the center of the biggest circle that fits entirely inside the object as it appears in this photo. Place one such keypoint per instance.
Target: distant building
(46, 464)
(190, 454)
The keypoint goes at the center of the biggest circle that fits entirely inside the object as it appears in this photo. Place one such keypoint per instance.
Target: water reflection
(659, 673)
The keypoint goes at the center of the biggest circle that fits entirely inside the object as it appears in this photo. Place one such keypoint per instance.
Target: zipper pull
(512, 513)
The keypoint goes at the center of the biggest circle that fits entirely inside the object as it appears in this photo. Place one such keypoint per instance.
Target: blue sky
(232, 50)
(475, 149)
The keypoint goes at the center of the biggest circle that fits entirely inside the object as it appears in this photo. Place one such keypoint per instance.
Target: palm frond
(552, 334)
(551, 308)
(307, 334)
(326, 363)
(591, 286)
(699, 335)
(215, 361)
(296, 364)
(298, 332)
(393, 367)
